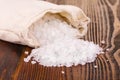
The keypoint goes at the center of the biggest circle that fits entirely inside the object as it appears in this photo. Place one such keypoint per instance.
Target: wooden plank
(9, 58)
(105, 25)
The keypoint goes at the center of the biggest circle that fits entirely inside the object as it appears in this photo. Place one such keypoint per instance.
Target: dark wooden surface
(105, 25)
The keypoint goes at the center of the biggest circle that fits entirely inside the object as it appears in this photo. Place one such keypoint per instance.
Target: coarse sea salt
(63, 72)
(26, 52)
(95, 66)
(103, 42)
(33, 62)
(59, 45)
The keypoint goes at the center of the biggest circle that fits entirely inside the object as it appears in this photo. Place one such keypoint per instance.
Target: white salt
(26, 60)
(107, 49)
(95, 66)
(102, 52)
(107, 60)
(26, 52)
(103, 42)
(62, 72)
(59, 45)
(33, 62)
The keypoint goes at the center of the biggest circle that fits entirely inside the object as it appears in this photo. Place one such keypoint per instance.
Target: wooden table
(105, 25)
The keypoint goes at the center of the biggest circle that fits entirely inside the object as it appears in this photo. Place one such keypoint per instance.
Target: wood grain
(9, 58)
(105, 25)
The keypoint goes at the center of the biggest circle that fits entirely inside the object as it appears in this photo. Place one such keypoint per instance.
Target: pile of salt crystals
(60, 46)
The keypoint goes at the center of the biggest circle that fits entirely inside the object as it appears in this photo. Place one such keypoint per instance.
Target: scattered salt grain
(103, 42)
(107, 60)
(60, 46)
(102, 52)
(62, 72)
(33, 62)
(95, 66)
(26, 60)
(26, 52)
(107, 49)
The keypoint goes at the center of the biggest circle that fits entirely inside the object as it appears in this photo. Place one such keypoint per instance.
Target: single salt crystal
(103, 42)
(26, 52)
(33, 62)
(107, 60)
(102, 52)
(60, 46)
(95, 66)
(62, 72)
(107, 49)
(26, 60)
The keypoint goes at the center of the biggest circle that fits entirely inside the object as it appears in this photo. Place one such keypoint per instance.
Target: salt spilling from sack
(59, 46)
